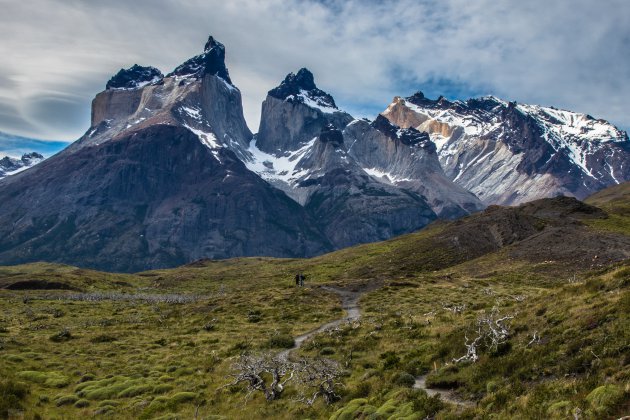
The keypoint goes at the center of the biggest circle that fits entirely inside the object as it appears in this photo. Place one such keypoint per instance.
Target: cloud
(568, 53)
(15, 147)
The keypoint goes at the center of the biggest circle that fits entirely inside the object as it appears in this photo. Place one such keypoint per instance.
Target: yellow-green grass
(129, 354)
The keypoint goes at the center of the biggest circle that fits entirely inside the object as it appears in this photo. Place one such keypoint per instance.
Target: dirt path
(446, 395)
(350, 304)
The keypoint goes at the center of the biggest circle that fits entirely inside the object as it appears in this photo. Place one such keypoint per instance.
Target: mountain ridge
(311, 180)
(508, 153)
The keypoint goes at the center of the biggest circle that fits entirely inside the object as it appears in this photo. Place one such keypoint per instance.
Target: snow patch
(138, 85)
(207, 139)
(282, 168)
(315, 103)
(379, 173)
(192, 112)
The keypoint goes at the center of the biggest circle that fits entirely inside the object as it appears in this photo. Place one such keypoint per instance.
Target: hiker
(297, 279)
(302, 277)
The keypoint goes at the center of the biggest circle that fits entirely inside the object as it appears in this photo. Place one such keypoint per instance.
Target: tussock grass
(160, 343)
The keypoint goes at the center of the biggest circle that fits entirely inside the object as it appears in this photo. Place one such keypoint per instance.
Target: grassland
(161, 344)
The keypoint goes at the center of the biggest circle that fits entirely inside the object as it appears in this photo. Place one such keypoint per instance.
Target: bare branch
(492, 331)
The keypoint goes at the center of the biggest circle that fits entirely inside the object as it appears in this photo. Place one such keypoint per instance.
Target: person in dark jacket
(297, 279)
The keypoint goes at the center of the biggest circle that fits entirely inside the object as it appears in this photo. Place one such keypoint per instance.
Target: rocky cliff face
(350, 205)
(508, 153)
(169, 172)
(406, 158)
(156, 181)
(157, 197)
(362, 181)
(294, 113)
(198, 95)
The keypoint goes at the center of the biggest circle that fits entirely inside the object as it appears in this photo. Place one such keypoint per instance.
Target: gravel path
(350, 304)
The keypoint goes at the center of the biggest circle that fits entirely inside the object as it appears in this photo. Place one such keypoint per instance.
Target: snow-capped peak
(301, 88)
(135, 77)
(212, 61)
(11, 166)
(508, 153)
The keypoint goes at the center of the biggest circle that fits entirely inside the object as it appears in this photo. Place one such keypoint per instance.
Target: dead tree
(269, 374)
(454, 308)
(471, 349)
(265, 372)
(319, 379)
(492, 330)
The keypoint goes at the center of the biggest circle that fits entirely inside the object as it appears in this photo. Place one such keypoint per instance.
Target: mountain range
(11, 166)
(510, 153)
(169, 172)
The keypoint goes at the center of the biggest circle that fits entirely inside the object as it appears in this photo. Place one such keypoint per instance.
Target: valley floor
(167, 343)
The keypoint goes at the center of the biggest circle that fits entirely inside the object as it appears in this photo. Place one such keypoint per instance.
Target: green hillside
(547, 281)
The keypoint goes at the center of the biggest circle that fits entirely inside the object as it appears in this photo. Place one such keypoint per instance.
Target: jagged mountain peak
(408, 136)
(170, 173)
(418, 98)
(303, 79)
(300, 88)
(212, 61)
(134, 77)
(509, 152)
(212, 43)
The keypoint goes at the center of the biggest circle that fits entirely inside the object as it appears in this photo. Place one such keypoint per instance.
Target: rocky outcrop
(211, 62)
(361, 181)
(294, 113)
(301, 88)
(407, 158)
(153, 198)
(203, 100)
(509, 153)
(134, 77)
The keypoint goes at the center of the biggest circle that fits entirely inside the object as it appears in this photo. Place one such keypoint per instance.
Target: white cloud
(568, 53)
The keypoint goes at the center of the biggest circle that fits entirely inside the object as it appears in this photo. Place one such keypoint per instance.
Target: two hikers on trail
(299, 279)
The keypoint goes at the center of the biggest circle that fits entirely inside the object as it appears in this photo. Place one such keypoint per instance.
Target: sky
(572, 54)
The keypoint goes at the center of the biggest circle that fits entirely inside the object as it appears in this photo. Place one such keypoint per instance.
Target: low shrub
(403, 379)
(390, 360)
(104, 338)
(11, 395)
(63, 335)
(605, 398)
(66, 400)
(50, 379)
(132, 391)
(281, 341)
(181, 397)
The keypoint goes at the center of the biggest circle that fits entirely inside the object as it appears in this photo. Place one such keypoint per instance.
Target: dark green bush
(63, 335)
(103, 339)
(327, 351)
(403, 379)
(390, 360)
(11, 395)
(281, 341)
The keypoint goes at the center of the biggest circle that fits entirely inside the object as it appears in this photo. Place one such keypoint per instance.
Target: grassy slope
(146, 358)
(616, 202)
